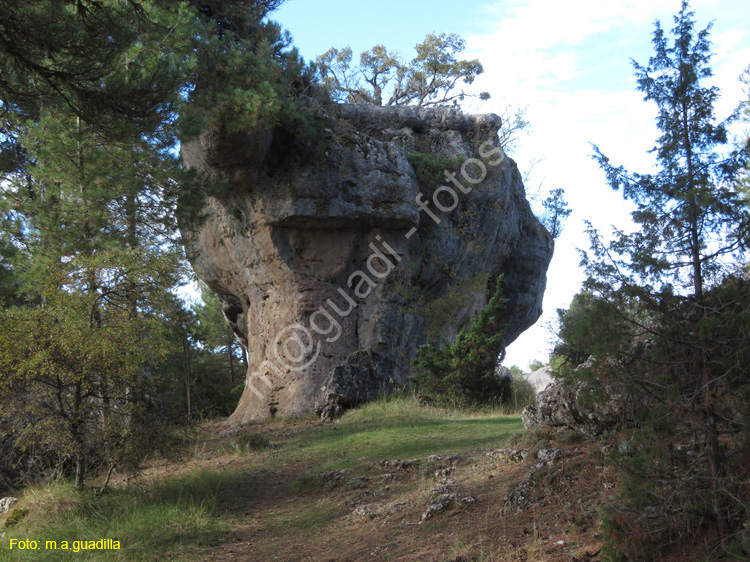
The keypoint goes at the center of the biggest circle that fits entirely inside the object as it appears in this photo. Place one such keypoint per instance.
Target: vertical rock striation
(330, 262)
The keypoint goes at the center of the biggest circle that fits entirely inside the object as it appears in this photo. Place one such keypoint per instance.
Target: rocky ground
(533, 502)
(385, 482)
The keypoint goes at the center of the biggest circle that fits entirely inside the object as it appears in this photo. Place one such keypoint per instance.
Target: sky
(569, 65)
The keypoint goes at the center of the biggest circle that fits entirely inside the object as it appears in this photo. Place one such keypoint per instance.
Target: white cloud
(549, 22)
(568, 64)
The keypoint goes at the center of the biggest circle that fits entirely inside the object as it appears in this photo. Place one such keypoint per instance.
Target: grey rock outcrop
(503, 372)
(446, 496)
(327, 257)
(362, 376)
(6, 504)
(567, 405)
(541, 379)
(520, 494)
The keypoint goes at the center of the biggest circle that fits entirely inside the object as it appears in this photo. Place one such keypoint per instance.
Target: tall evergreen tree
(661, 297)
(89, 96)
(128, 68)
(117, 65)
(101, 264)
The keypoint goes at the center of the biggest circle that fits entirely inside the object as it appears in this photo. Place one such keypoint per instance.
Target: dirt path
(376, 515)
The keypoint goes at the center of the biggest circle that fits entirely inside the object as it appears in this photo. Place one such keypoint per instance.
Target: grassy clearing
(185, 510)
(397, 428)
(177, 516)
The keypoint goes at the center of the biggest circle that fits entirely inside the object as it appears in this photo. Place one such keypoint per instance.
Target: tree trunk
(131, 217)
(80, 468)
(707, 384)
(78, 438)
(186, 348)
(107, 479)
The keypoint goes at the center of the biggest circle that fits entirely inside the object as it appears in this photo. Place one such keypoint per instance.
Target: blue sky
(568, 63)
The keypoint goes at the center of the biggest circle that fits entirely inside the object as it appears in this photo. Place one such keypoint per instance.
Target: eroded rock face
(329, 271)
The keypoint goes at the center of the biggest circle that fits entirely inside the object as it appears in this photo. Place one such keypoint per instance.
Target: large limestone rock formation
(329, 271)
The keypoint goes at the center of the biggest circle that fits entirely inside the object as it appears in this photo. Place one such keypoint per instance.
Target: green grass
(177, 517)
(180, 518)
(398, 428)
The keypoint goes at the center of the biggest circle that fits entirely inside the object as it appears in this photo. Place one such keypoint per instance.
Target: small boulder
(364, 512)
(333, 478)
(547, 457)
(6, 504)
(513, 455)
(446, 502)
(444, 486)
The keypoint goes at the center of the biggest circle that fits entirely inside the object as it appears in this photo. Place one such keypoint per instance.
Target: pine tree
(246, 74)
(119, 66)
(215, 335)
(381, 78)
(128, 69)
(93, 97)
(556, 212)
(660, 293)
(87, 344)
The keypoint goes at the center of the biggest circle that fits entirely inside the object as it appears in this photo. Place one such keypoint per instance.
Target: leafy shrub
(464, 372)
(15, 517)
(431, 168)
(522, 394)
(244, 443)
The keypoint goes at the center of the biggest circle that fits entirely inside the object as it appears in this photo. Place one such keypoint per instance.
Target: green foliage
(96, 244)
(124, 82)
(439, 313)
(89, 388)
(665, 318)
(430, 168)
(93, 96)
(521, 394)
(9, 256)
(134, 70)
(689, 213)
(535, 365)
(16, 516)
(216, 359)
(578, 328)
(244, 443)
(246, 76)
(556, 211)
(744, 186)
(381, 78)
(465, 370)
